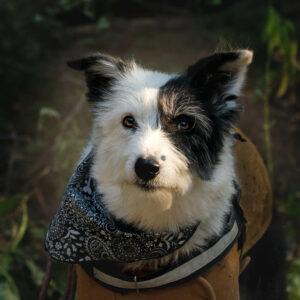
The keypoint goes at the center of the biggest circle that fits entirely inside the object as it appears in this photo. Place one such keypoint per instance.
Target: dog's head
(156, 133)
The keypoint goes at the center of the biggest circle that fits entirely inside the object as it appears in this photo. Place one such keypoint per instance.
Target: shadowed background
(45, 119)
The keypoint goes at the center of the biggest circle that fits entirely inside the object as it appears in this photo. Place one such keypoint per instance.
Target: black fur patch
(200, 94)
(98, 82)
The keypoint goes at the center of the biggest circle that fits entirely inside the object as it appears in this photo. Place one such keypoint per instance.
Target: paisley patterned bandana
(84, 231)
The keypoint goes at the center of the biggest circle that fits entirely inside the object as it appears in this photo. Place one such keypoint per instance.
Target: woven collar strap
(185, 270)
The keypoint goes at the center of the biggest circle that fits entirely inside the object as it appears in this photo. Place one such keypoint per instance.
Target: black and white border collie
(163, 143)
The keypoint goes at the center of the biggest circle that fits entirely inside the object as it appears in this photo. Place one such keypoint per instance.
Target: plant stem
(267, 123)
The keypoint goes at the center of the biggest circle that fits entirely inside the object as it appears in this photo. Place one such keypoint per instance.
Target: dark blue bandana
(84, 231)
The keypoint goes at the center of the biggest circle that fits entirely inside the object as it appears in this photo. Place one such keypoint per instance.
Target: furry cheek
(111, 156)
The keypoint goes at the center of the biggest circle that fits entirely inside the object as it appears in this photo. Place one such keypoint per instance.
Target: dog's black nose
(146, 168)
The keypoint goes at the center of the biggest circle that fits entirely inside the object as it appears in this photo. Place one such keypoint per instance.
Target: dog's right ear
(100, 70)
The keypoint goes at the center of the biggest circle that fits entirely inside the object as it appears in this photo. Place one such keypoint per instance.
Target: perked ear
(100, 71)
(219, 79)
(226, 70)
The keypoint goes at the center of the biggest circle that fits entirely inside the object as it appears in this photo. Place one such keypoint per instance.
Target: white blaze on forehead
(135, 93)
(138, 78)
(138, 91)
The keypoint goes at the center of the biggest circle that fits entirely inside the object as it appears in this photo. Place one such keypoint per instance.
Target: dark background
(45, 120)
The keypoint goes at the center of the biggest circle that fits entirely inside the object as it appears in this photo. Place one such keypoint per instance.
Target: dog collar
(82, 230)
(111, 277)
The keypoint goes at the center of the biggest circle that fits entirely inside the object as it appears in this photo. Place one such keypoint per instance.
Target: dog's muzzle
(146, 168)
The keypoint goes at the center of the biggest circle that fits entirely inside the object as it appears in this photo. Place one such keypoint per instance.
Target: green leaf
(50, 112)
(283, 86)
(34, 145)
(294, 280)
(4, 264)
(88, 12)
(22, 228)
(291, 208)
(215, 2)
(8, 205)
(38, 18)
(6, 293)
(8, 289)
(47, 112)
(103, 23)
(259, 93)
(38, 231)
(36, 272)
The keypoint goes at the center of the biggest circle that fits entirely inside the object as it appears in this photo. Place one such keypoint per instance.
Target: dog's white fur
(181, 198)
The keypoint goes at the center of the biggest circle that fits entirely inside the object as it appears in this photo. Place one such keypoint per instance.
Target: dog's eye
(129, 122)
(184, 125)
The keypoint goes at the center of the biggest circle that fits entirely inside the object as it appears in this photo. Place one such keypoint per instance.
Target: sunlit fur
(179, 194)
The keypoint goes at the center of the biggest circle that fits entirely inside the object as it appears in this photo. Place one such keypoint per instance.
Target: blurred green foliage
(281, 38)
(291, 210)
(14, 224)
(25, 38)
(21, 253)
(294, 280)
(280, 69)
(31, 32)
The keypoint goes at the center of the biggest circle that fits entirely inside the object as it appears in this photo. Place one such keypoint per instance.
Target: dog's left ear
(219, 79)
(100, 70)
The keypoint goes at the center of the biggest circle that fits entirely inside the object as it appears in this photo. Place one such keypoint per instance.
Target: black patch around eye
(184, 121)
(200, 146)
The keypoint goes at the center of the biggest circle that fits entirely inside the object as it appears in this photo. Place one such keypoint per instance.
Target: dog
(162, 144)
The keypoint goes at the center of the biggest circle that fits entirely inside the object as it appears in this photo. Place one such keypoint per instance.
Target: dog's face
(157, 135)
